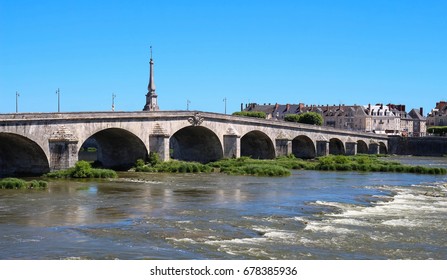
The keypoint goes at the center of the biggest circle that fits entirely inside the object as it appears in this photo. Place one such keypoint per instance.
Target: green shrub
(399, 169)
(437, 130)
(307, 118)
(282, 166)
(101, 173)
(82, 169)
(38, 185)
(343, 167)
(154, 158)
(292, 118)
(256, 169)
(139, 163)
(58, 174)
(251, 114)
(369, 163)
(339, 159)
(14, 183)
(175, 166)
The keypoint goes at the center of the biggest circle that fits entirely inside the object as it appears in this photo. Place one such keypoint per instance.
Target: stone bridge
(35, 143)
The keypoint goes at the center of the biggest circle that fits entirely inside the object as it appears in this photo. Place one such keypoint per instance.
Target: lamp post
(225, 100)
(17, 101)
(113, 101)
(58, 93)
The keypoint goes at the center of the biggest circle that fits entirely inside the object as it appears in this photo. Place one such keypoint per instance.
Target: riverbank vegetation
(282, 166)
(371, 163)
(83, 169)
(173, 166)
(15, 183)
(437, 130)
(249, 166)
(363, 163)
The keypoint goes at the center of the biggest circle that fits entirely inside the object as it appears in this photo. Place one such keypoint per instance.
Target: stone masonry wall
(418, 146)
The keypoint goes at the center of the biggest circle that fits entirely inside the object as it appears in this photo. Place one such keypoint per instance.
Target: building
(388, 119)
(438, 115)
(419, 123)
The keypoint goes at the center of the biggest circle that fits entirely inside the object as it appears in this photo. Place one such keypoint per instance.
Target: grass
(248, 166)
(370, 163)
(282, 166)
(240, 166)
(82, 169)
(14, 183)
(173, 166)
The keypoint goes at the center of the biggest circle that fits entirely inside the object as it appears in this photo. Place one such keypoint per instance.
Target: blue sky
(315, 52)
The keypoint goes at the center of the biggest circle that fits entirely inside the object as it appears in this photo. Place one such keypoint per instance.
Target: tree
(311, 118)
(154, 158)
(437, 130)
(292, 118)
(307, 118)
(252, 114)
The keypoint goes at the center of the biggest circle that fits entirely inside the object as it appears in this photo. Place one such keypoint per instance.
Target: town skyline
(212, 56)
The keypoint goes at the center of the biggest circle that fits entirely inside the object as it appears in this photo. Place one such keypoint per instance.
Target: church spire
(151, 96)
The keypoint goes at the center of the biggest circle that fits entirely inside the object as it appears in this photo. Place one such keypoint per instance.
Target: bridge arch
(258, 145)
(382, 148)
(336, 147)
(21, 156)
(303, 147)
(195, 143)
(362, 147)
(116, 148)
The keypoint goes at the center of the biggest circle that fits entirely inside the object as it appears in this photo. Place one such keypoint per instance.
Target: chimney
(421, 111)
(242, 107)
(276, 106)
(288, 107)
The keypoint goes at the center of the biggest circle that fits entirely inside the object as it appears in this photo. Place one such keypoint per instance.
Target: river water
(309, 215)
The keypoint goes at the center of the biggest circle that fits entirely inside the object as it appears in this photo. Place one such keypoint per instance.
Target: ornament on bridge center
(196, 120)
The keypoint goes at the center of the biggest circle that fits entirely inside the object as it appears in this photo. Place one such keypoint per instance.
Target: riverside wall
(418, 146)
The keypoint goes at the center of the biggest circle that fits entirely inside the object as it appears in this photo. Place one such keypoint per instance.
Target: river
(309, 215)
